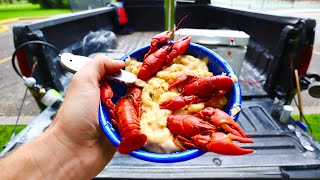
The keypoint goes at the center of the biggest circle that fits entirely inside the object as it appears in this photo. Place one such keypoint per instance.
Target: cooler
(231, 45)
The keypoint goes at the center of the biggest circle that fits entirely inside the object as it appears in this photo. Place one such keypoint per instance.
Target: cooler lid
(214, 37)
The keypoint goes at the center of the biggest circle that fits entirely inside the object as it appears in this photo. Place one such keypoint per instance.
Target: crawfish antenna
(172, 35)
(180, 22)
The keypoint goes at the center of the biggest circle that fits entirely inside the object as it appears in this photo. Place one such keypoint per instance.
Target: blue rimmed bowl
(216, 65)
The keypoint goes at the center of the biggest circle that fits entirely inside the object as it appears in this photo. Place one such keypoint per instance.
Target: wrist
(57, 159)
(92, 154)
(43, 158)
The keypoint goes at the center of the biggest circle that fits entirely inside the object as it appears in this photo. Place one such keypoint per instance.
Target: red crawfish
(161, 58)
(217, 142)
(126, 117)
(190, 131)
(202, 89)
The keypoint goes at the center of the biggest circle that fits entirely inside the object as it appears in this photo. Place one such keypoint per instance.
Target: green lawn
(314, 121)
(6, 132)
(26, 10)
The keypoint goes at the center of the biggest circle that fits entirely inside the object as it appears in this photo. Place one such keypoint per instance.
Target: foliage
(314, 122)
(51, 4)
(6, 132)
(28, 10)
(78, 5)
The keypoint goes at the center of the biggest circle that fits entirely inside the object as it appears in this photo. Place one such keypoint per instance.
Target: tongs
(74, 63)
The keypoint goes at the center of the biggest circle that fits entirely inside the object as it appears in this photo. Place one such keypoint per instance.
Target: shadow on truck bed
(277, 46)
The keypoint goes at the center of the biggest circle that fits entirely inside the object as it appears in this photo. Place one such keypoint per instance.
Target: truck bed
(278, 154)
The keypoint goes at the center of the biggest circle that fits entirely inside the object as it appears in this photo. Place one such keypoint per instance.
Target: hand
(74, 146)
(76, 124)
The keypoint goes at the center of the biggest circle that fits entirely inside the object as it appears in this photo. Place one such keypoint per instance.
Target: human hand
(76, 124)
(73, 147)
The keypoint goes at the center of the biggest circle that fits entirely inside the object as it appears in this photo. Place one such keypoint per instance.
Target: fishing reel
(311, 82)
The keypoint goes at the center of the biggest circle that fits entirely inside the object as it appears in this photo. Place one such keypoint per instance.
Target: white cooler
(231, 45)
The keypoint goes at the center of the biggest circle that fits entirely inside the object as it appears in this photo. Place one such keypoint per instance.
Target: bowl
(216, 64)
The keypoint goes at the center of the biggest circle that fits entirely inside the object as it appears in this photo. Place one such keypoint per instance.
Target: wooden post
(299, 94)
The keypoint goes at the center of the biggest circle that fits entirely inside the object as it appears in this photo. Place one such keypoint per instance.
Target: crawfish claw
(156, 40)
(178, 48)
(178, 102)
(183, 80)
(221, 119)
(221, 143)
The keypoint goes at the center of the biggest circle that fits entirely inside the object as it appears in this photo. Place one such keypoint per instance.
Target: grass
(314, 121)
(27, 10)
(6, 132)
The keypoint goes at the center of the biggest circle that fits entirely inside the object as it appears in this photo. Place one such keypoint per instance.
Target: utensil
(74, 63)
(305, 144)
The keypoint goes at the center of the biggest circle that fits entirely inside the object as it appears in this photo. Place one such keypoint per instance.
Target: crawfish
(190, 131)
(201, 89)
(126, 117)
(156, 59)
(217, 142)
(162, 58)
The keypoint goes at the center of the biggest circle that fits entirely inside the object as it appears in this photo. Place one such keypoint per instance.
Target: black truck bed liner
(278, 154)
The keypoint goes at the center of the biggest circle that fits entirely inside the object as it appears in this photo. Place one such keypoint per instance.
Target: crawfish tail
(133, 141)
(135, 94)
(129, 127)
(106, 94)
(178, 102)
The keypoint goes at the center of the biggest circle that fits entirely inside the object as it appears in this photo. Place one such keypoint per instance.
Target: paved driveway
(11, 85)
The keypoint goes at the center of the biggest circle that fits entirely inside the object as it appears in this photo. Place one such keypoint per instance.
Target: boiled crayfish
(160, 58)
(217, 142)
(193, 131)
(195, 90)
(126, 117)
